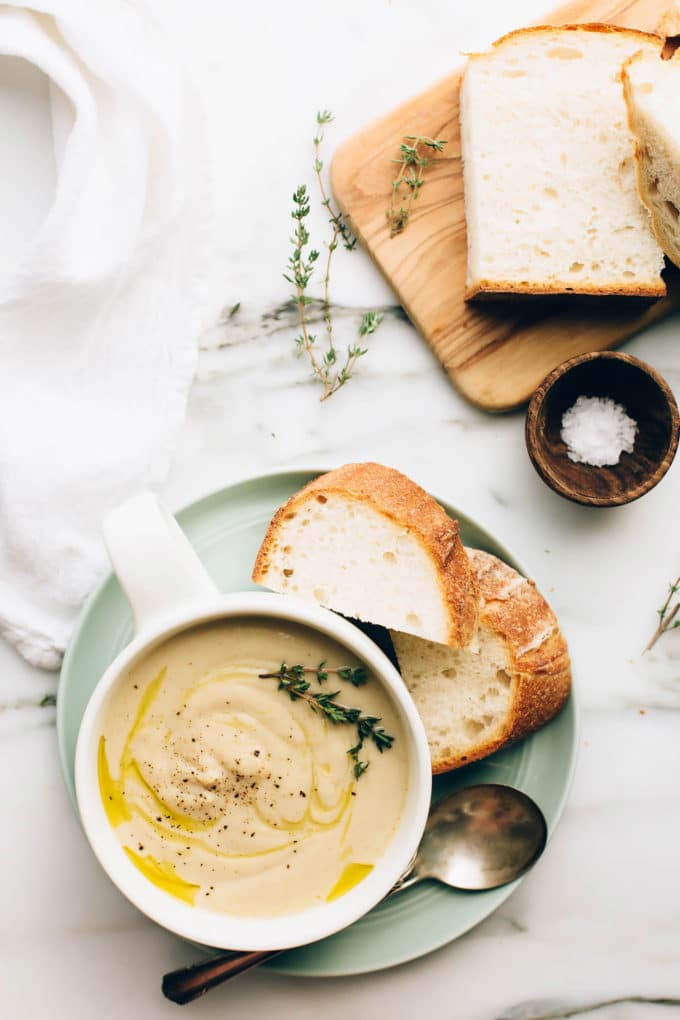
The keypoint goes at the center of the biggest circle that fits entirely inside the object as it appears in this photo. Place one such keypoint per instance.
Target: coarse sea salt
(596, 431)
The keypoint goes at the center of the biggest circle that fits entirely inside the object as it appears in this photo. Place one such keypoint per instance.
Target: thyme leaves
(293, 680)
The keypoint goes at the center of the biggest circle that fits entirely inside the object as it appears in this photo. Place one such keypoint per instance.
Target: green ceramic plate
(226, 528)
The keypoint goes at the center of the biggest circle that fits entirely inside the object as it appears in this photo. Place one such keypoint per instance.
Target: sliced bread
(474, 702)
(551, 202)
(368, 542)
(651, 88)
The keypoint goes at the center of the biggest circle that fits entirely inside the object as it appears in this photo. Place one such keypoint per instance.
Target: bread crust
(398, 498)
(540, 670)
(588, 26)
(485, 288)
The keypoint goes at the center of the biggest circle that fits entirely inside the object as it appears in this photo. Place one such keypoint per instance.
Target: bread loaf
(475, 702)
(551, 202)
(368, 542)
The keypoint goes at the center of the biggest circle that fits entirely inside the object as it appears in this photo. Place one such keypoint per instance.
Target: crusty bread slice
(473, 703)
(550, 198)
(651, 88)
(368, 542)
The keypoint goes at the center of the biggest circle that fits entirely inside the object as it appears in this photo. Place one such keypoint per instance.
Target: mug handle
(156, 565)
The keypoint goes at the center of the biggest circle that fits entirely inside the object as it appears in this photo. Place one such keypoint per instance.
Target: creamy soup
(228, 794)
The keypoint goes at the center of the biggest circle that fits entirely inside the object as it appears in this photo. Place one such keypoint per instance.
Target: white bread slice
(550, 198)
(652, 91)
(368, 542)
(474, 703)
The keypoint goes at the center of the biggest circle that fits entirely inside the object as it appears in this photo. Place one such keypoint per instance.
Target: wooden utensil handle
(189, 983)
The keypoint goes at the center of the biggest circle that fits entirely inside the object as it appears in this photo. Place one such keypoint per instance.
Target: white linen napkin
(100, 318)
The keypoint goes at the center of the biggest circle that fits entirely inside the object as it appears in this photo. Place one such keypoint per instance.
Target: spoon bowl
(479, 838)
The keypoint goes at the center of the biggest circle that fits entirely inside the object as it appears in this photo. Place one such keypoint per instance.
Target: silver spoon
(477, 838)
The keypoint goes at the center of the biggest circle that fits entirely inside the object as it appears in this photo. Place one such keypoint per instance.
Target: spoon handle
(189, 983)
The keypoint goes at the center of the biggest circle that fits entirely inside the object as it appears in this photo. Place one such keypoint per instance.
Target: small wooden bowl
(646, 397)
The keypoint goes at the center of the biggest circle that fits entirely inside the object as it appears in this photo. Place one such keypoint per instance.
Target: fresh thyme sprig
(301, 264)
(300, 269)
(291, 679)
(408, 182)
(667, 614)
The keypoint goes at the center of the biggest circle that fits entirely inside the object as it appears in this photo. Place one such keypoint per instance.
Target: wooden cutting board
(495, 354)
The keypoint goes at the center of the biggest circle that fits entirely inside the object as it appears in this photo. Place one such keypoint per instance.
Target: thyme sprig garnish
(667, 614)
(326, 367)
(292, 680)
(406, 186)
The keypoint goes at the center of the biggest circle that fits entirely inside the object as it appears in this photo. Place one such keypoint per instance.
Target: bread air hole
(413, 619)
(576, 267)
(472, 728)
(389, 556)
(321, 499)
(654, 186)
(320, 594)
(288, 572)
(672, 209)
(565, 53)
(550, 192)
(646, 87)
(450, 673)
(503, 679)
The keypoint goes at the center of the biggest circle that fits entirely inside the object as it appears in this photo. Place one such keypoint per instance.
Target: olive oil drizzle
(351, 876)
(163, 875)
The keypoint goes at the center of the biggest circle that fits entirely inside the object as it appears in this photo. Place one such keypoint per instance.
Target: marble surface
(593, 931)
